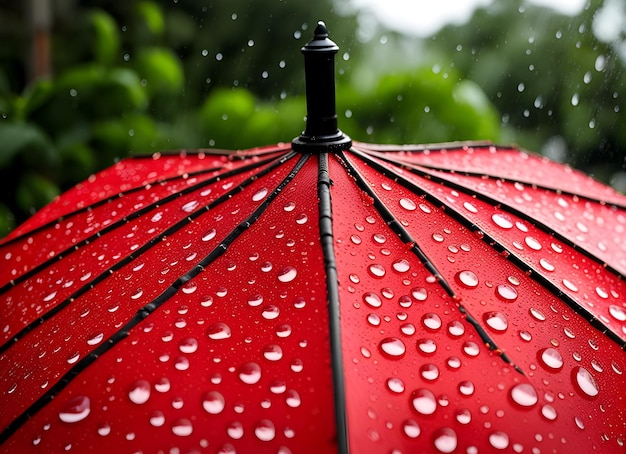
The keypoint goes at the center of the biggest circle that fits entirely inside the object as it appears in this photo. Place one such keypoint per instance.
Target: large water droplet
(431, 321)
(219, 331)
(182, 427)
(506, 292)
(377, 270)
(466, 388)
(445, 440)
(188, 345)
(617, 312)
(287, 274)
(157, 418)
(139, 392)
(401, 266)
(502, 220)
(429, 372)
(551, 359)
(408, 204)
(548, 412)
(392, 347)
(213, 402)
(272, 352)
(464, 416)
(424, 401)
(585, 381)
(524, 395)
(260, 195)
(76, 409)
(496, 321)
(411, 428)
(427, 346)
(372, 299)
(265, 430)
(250, 373)
(395, 384)
(467, 278)
(499, 440)
(235, 430)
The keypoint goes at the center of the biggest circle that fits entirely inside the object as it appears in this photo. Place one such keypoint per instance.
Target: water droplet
(524, 395)
(188, 345)
(464, 416)
(301, 219)
(537, 314)
(551, 358)
(392, 347)
(420, 294)
(408, 329)
(499, 440)
(395, 384)
(401, 266)
(431, 321)
(289, 206)
(139, 392)
(283, 330)
(496, 321)
(617, 312)
(377, 270)
(292, 399)
(255, 300)
(471, 348)
(250, 373)
(456, 328)
(104, 429)
(162, 385)
(95, 338)
(470, 207)
(501, 220)
(213, 402)
(270, 312)
(235, 431)
(532, 243)
(548, 412)
(157, 418)
(585, 381)
(467, 278)
(190, 206)
(445, 440)
(411, 428)
(76, 409)
(372, 299)
(373, 319)
(287, 274)
(427, 346)
(506, 292)
(273, 352)
(265, 430)
(219, 331)
(182, 427)
(429, 372)
(260, 195)
(424, 401)
(466, 388)
(408, 204)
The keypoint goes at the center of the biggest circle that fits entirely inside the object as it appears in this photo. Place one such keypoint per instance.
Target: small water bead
(431, 321)
(287, 274)
(377, 270)
(392, 347)
(219, 331)
(395, 385)
(182, 427)
(405, 301)
(570, 285)
(278, 386)
(95, 338)
(250, 373)
(379, 238)
(260, 195)
(104, 429)
(463, 416)
(502, 220)
(401, 266)
(456, 328)
(496, 321)
(499, 440)
(585, 382)
(532, 243)
(408, 204)
(372, 299)
(438, 237)
(617, 312)
(265, 430)
(470, 207)
(424, 401)
(235, 431)
(157, 418)
(551, 358)
(181, 363)
(453, 362)
(427, 346)
(445, 440)
(75, 410)
(525, 335)
(139, 392)
(162, 385)
(429, 372)
(467, 278)
(297, 365)
(292, 399)
(411, 428)
(255, 300)
(537, 314)
(524, 395)
(408, 329)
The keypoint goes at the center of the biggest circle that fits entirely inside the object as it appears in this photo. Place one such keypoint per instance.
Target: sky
(425, 17)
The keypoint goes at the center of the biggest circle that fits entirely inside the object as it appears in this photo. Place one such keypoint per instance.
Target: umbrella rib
(149, 308)
(123, 262)
(134, 215)
(332, 285)
(141, 188)
(406, 238)
(511, 256)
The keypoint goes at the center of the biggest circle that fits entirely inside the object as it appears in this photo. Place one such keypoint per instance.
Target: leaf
(19, 138)
(161, 70)
(107, 42)
(34, 191)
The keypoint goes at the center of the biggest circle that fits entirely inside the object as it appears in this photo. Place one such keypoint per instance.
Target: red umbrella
(319, 296)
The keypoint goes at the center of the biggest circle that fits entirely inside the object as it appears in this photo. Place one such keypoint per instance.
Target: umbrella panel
(237, 356)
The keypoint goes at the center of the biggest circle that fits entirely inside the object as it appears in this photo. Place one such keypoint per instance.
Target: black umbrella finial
(321, 133)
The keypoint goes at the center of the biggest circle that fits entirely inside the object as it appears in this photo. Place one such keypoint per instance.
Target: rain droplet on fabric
(467, 279)
(219, 331)
(424, 401)
(585, 381)
(250, 373)
(182, 427)
(265, 430)
(445, 440)
(524, 395)
(213, 402)
(75, 410)
(287, 274)
(392, 347)
(411, 428)
(139, 392)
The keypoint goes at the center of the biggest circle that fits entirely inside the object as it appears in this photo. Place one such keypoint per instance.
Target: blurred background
(84, 83)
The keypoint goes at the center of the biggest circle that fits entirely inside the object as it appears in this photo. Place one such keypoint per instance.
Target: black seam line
(415, 169)
(142, 188)
(406, 237)
(510, 255)
(491, 201)
(134, 215)
(332, 285)
(135, 254)
(149, 308)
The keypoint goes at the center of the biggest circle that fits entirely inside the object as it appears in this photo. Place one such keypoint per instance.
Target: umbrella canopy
(319, 296)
